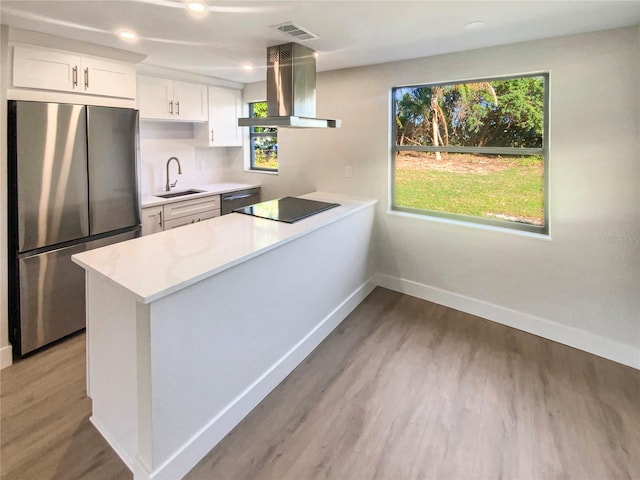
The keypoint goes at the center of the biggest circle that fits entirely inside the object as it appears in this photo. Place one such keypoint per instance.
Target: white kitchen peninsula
(189, 329)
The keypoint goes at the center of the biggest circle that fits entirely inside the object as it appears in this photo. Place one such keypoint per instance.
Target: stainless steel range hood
(291, 90)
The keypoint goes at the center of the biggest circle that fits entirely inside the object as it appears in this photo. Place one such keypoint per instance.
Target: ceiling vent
(296, 31)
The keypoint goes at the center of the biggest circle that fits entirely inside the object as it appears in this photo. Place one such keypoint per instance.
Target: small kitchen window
(474, 151)
(264, 141)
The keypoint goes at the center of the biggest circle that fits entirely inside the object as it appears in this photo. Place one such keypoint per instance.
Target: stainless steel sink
(179, 194)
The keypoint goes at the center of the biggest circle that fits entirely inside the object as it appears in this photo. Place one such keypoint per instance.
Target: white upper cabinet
(165, 99)
(190, 101)
(154, 97)
(48, 69)
(225, 106)
(109, 78)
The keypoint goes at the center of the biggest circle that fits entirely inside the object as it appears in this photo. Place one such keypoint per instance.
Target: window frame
(252, 135)
(519, 151)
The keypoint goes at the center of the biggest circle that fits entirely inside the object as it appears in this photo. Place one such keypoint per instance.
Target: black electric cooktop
(287, 209)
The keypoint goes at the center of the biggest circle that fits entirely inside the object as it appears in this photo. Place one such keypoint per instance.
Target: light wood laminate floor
(403, 389)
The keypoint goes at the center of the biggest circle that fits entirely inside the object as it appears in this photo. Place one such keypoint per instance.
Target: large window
(474, 151)
(264, 141)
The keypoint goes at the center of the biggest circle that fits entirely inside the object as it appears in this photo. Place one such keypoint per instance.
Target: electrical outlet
(348, 171)
(201, 165)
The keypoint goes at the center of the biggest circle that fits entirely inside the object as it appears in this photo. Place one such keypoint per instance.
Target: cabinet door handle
(86, 78)
(212, 136)
(75, 76)
(160, 217)
(170, 107)
(178, 108)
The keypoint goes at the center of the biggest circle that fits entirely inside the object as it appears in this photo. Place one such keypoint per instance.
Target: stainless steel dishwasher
(238, 199)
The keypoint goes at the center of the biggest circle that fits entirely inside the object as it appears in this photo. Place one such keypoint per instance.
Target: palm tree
(411, 112)
(464, 92)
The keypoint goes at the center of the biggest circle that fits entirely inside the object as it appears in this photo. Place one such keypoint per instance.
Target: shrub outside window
(264, 141)
(475, 151)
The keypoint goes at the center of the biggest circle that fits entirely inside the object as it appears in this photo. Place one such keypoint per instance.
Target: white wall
(581, 287)
(5, 347)
(161, 140)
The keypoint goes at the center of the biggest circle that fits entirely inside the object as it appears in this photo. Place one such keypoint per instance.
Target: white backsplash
(161, 140)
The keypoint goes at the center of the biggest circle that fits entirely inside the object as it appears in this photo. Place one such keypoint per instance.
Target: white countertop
(154, 266)
(150, 200)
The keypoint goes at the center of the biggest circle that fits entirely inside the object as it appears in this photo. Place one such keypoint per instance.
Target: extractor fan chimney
(291, 90)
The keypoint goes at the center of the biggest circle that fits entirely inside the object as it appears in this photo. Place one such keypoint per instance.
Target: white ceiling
(232, 34)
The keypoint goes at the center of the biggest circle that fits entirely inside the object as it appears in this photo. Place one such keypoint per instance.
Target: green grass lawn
(263, 160)
(514, 191)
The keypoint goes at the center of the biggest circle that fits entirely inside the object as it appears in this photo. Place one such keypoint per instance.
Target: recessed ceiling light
(316, 54)
(474, 25)
(196, 7)
(248, 68)
(127, 35)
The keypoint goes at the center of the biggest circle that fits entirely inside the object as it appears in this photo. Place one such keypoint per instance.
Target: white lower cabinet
(193, 207)
(179, 222)
(177, 214)
(152, 220)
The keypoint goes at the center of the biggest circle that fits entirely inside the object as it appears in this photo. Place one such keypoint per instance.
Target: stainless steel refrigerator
(72, 186)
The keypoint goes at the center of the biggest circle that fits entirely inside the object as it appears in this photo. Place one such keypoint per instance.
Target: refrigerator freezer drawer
(52, 294)
(52, 301)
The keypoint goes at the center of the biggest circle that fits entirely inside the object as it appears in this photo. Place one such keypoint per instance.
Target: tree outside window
(264, 141)
(474, 151)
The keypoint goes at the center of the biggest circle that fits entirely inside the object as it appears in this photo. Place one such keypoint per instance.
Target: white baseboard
(573, 337)
(6, 356)
(131, 463)
(202, 442)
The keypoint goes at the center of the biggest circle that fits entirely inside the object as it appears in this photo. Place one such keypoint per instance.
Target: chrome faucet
(169, 185)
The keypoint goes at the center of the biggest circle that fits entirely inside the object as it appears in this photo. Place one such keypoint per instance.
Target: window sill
(266, 172)
(492, 228)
